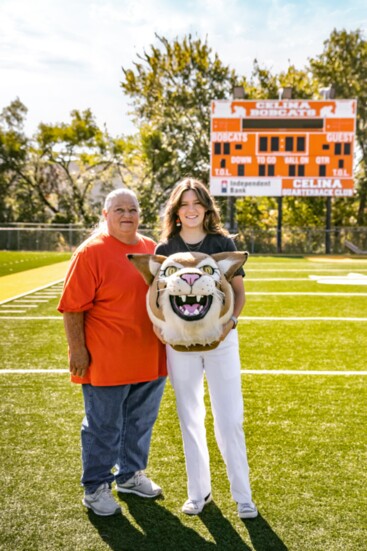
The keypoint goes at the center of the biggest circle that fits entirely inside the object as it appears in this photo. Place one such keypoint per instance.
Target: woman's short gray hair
(121, 192)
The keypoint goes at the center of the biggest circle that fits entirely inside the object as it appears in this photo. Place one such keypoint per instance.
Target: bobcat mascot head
(190, 296)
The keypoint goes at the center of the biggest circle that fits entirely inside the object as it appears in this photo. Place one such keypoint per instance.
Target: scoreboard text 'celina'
(282, 147)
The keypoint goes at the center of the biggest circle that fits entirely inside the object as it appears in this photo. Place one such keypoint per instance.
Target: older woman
(115, 356)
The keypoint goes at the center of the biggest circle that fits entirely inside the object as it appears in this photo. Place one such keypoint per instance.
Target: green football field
(303, 342)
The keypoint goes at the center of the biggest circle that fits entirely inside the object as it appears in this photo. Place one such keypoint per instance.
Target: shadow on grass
(159, 529)
(221, 529)
(263, 538)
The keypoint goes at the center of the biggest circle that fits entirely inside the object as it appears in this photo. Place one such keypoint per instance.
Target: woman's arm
(239, 295)
(79, 358)
(239, 303)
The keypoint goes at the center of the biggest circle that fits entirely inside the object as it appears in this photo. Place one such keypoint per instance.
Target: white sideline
(306, 293)
(243, 371)
(293, 318)
(25, 371)
(241, 318)
(298, 372)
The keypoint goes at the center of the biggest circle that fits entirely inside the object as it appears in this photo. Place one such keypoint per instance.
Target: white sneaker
(102, 502)
(140, 485)
(247, 510)
(193, 507)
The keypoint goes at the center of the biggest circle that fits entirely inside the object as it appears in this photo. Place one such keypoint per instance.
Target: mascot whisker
(190, 296)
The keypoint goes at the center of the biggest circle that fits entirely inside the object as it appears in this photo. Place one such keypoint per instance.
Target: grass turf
(305, 434)
(12, 262)
(305, 452)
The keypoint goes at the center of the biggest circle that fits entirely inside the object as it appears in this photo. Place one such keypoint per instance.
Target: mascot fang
(190, 296)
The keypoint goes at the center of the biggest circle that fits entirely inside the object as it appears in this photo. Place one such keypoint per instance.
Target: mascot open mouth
(191, 307)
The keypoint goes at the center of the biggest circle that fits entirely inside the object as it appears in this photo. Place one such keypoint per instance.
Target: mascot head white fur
(190, 296)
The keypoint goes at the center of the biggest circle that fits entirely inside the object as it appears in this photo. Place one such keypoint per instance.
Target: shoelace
(138, 476)
(247, 506)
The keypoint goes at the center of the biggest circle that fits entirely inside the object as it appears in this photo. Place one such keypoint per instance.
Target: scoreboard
(282, 147)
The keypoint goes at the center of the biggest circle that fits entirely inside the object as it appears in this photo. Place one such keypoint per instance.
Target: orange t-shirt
(105, 285)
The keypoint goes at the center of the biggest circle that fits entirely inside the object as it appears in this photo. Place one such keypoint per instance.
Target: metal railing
(46, 237)
(301, 240)
(66, 237)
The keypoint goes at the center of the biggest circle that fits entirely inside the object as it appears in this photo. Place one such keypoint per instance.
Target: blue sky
(62, 55)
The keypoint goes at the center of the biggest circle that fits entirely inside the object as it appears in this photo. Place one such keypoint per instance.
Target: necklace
(193, 247)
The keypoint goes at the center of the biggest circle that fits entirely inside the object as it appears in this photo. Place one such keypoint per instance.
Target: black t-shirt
(211, 244)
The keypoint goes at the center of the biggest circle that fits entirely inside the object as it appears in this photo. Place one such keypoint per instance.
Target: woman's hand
(226, 328)
(79, 361)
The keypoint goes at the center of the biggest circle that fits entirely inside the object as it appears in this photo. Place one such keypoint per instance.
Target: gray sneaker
(247, 510)
(102, 502)
(140, 485)
(195, 507)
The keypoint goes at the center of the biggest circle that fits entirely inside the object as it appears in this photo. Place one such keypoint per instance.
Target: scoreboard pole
(279, 224)
(328, 226)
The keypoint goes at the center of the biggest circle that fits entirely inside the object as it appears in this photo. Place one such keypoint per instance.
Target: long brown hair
(212, 222)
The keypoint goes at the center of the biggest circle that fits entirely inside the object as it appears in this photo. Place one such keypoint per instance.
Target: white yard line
(298, 372)
(277, 279)
(306, 293)
(294, 318)
(243, 371)
(11, 312)
(299, 270)
(242, 318)
(22, 371)
(38, 295)
(44, 300)
(27, 318)
(18, 306)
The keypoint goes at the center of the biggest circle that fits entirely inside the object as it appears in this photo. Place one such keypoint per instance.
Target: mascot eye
(208, 270)
(170, 270)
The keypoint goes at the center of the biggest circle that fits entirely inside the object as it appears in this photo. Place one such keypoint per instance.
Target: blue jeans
(117, 429)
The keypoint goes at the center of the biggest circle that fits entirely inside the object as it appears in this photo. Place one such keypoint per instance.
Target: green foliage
(13, 153)
(256, 213)
(343, 64)
(171, 88)
(62, 173)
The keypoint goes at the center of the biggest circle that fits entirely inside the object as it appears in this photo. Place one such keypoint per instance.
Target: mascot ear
(147, 264)
(229, 262)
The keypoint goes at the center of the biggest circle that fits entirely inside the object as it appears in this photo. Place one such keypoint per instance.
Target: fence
(302, 240)
(45, 237)
(66, 237)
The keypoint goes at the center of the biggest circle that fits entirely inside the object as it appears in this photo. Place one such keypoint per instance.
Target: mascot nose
(190, 278)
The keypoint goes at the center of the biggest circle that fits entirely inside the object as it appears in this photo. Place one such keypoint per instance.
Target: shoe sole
(140, 494)
(248, 515)
(89, 506)
(198, 513)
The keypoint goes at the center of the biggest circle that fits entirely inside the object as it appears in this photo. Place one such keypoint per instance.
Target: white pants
(222, 368)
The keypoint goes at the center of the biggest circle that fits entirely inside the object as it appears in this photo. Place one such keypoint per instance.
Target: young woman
(192, 223)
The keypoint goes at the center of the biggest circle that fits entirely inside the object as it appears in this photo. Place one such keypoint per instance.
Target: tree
(81, 156)
(61, 173)
(13, 153)
(343, 64)
(171, 88)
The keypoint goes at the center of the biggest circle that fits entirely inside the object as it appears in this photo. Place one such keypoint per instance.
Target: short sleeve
(232, 247)
(80, 285)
